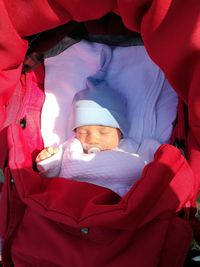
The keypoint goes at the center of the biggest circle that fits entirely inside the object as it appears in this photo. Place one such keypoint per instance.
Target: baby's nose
(93, 138)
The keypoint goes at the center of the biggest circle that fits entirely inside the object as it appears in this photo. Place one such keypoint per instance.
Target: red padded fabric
(44, 219)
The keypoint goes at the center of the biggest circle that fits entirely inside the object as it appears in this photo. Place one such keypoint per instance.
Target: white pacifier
(94, 150)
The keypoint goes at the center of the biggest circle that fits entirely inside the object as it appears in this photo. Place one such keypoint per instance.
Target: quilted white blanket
(116, 169)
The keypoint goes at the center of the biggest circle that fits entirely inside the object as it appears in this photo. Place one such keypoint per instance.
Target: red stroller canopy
(170, 32)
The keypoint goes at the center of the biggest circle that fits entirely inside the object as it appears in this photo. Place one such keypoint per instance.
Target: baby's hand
(46, 153)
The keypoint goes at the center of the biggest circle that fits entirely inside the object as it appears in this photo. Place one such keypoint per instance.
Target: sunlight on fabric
(51, 112)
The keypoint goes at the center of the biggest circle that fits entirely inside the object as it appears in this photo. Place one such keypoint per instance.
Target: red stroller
(43, 222)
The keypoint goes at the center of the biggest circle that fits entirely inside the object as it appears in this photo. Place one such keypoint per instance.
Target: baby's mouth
(93, 150)
(88, 149)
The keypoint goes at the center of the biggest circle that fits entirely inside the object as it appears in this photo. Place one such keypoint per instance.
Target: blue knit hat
(99, 104)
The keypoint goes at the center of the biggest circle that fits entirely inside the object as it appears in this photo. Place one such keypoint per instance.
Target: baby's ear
(120, 134)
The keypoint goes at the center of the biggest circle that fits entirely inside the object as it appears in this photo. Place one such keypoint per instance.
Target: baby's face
(102, 137)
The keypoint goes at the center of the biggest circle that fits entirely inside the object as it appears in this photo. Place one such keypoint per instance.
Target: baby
(101, 151)
(99, 118)
(93, 138)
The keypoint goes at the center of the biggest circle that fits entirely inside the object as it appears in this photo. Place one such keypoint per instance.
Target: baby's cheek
(110, 143)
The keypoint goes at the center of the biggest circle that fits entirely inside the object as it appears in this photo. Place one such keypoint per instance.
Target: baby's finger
(44, 154)
(37, 158)
(52, 150)
(55, 150)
